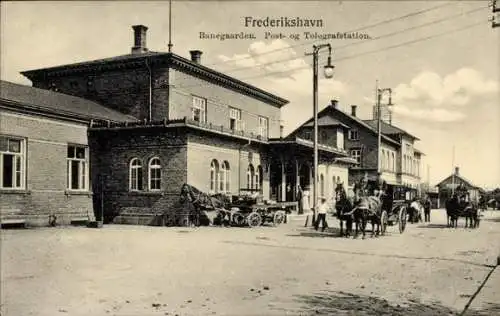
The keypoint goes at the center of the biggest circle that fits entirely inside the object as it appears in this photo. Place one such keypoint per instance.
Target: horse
(203, 203)
(368, 209)
(471, 214)
(343, 206)
(452, 208)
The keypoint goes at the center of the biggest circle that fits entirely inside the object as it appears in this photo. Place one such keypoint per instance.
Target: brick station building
(44, 155)
(195, 125)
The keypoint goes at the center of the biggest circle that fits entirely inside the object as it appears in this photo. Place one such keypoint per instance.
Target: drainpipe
(239, 163)
(150, 92)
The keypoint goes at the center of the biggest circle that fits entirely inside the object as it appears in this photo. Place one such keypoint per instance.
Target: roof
(30, 98)
(331, 109)
(325, 121)
(309, 144)
(389, 129)
(417, 151)
(156, 59)
(457, 176)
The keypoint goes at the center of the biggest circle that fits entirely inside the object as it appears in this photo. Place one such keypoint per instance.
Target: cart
(394, 208)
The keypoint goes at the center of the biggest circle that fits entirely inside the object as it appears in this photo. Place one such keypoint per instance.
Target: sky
(441, 59)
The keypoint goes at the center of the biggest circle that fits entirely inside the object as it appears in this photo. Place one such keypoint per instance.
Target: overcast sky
(440, 58)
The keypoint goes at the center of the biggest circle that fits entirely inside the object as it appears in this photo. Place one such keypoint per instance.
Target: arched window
(154, 174)
(250, 176)
(222, 178)
(214, 172)
(322, 185)
(258, 179)
(227, 177)
(387, 161)
(135, 175)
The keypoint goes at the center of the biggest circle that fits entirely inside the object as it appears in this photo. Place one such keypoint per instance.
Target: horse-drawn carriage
(382, 210)
(220, 209)
(461, 205)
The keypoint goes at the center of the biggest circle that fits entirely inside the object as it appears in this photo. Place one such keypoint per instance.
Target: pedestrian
(299, 199)
(427, 209)
(322, 210)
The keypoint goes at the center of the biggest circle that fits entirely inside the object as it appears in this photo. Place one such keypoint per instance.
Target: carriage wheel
(402, 219)
(383, 222)
(238, 219)
(254, 219)
(278, 218)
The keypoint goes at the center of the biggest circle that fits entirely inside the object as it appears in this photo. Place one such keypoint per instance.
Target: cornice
(158, 60)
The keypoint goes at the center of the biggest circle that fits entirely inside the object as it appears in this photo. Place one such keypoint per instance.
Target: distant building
(448, 185)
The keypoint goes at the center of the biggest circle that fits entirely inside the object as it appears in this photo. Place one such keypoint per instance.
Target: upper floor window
(234, 119)
(12, 157)
(324, 136)
(393, 162)
(307, 135)
(77, 167)
(408, 148)
(340, 139)
(135, 175)
(263, 126)
(154, 174)
(356, 154)
(199, 109)
(353, 134)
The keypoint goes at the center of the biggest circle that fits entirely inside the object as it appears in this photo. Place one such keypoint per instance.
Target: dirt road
(285, 270)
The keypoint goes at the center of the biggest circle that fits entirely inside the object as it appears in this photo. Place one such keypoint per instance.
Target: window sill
(14, 191)
(74, 192)
(147, 193)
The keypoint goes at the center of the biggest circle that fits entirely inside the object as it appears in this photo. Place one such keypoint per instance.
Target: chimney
(456, 171)
(196, 55)
(334, 103)
(353, 110)
(139, 39)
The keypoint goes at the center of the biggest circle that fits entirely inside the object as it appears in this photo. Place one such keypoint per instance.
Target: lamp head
(328, 69)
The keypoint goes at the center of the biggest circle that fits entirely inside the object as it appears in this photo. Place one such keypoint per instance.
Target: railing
(189, 122)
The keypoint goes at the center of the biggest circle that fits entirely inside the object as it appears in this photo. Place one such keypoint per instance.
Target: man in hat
(322, 210)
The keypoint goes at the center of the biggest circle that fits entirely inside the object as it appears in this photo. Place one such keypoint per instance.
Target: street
(286, 270)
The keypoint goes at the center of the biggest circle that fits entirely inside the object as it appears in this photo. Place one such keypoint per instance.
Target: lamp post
(328, 72)
(380, 92)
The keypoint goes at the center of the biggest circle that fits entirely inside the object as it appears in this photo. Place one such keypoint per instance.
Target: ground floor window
(12, 162)
(77, 167)
(154, 174)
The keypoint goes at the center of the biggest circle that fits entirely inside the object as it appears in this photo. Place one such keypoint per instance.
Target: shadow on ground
(330, 232)
(495, 220)
(341, 303)
(443, 226)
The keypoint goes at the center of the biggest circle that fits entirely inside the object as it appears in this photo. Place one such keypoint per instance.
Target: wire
(352, 31)
(361, 54)
(360, 42)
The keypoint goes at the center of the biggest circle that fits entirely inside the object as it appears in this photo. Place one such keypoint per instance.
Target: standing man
(427, 209)
(299, 199)
(322, 210)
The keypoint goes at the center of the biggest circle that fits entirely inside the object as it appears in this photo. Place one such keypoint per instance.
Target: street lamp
(328, 73)
(380, 92)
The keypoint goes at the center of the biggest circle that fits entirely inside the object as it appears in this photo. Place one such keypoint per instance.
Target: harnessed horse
(367, 208)
(203, 203)
(456, 209)
(343, 206)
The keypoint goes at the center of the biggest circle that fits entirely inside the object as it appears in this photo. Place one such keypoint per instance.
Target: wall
(219, 99)
(202, 149)
(112, 152)
(46, 169)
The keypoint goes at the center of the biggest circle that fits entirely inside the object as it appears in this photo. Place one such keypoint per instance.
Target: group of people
(362, 189)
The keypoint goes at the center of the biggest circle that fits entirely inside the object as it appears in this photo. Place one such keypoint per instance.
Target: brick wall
(45, 169)
(219, 99)
(112, 152)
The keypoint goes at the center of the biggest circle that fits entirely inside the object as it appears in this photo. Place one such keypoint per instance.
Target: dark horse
(202, 204)
(343, 206)
(456, 209)
(368, 208)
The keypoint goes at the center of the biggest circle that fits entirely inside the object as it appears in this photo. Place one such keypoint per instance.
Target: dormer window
(353, 134)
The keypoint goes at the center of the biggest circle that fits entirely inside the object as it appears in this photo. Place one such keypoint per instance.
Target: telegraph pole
(495, 9)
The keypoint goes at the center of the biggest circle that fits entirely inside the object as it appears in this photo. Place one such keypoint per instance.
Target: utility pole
(379, 121)
(170, 26)
(495, 9)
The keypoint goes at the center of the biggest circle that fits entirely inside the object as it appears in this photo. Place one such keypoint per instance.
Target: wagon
(394, 208)
(258, 214)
